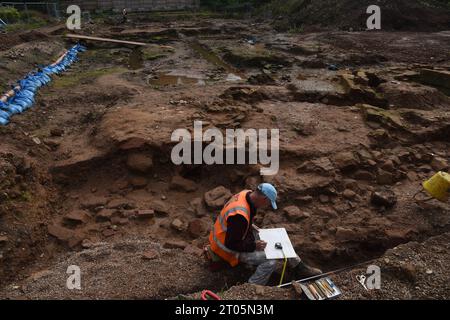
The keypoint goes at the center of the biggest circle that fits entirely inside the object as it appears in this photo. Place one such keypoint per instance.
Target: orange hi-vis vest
(236, 205)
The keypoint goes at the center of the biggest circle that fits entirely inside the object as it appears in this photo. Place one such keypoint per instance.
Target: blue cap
(270, 192)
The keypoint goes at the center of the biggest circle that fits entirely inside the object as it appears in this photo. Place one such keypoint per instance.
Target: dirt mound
(10, 40)
(421, 266)
(133, 269)
(410, 271)
(345, 14)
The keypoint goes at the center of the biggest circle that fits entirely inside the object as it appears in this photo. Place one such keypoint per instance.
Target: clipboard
(273, 236)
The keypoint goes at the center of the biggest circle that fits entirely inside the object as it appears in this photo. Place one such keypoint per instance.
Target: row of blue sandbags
(22, 97)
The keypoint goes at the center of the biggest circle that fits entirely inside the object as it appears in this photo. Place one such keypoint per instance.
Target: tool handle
(256, 227)
(206, 293)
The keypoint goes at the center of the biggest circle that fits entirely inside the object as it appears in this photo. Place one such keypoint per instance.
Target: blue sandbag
(4, 114)
(13, 108)
(24, 97)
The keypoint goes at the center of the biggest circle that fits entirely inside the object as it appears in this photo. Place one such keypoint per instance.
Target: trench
(111, 167)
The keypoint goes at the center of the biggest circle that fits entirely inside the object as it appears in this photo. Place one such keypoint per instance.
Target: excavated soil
(86, 176)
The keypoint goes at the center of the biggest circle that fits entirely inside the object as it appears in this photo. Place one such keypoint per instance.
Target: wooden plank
(77, 36)
(142, 44)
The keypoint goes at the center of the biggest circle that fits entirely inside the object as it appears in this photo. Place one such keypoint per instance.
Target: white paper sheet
(272, 236)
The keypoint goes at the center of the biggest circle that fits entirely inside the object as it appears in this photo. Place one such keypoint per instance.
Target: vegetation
(233, 4)
(20, 21)
(284, 5)
(296, 15)
(9, 14)
(83, 77)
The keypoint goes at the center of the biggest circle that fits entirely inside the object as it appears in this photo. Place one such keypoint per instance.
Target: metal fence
(50, 8)
(132, 5)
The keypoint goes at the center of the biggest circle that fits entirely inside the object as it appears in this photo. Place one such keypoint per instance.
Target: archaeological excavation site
(123, 176)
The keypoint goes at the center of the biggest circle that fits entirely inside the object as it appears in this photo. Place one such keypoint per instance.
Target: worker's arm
(236, 228)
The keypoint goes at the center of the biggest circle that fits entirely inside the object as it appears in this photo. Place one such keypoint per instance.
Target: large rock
(76, 217)
(385, 198)
(193, 250)
(104, 214)
(356, 91)
(388, 165)
(197, 206)
(349, 194)
(140, 162)
(345, 233)
(65, 235)
(160, 207)
(294, 213)
(145, 214)
(302, 184)
(121, 203)
(93, 202)
(216, 198)
(138, 182)
(346, 160)
(364, 175)
(178, 225)
(182, 184)
(175, 244)
(440, 78)
(197, 228)
(150, 254)
(439, 164)
(388, 118)
(385, 177)
(323, 164)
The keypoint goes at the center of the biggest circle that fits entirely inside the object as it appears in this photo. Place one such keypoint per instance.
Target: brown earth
(348, 15)
(88, 168)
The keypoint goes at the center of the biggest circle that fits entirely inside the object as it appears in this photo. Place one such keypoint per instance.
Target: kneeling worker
(233, 240)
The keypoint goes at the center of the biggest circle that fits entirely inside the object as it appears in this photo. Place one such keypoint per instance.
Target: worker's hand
(260, 245)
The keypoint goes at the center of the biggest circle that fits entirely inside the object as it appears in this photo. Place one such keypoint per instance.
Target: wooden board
(79, 36)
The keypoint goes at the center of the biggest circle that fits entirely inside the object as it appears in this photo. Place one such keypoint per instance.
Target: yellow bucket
(438, 186)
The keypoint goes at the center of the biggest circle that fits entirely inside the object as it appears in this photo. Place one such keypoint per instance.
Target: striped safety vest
(236, 205)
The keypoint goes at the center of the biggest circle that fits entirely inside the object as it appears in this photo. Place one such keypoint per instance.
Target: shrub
(9, 14)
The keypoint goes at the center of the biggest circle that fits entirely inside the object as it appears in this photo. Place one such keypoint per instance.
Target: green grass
(101, 54)
(153, 56)
(72, 79)
(23, 26)
(25, 196)
(296, 29)
(23, 21)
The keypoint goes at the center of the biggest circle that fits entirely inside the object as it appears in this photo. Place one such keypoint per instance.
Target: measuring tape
(279, 246)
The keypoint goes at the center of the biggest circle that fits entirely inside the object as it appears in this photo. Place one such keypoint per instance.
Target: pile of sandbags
(21, 97)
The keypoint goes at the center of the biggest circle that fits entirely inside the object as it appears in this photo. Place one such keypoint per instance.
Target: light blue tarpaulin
(26, 89)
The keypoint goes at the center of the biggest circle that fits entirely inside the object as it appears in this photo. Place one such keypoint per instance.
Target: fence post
(26, 11)
(56, 9)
